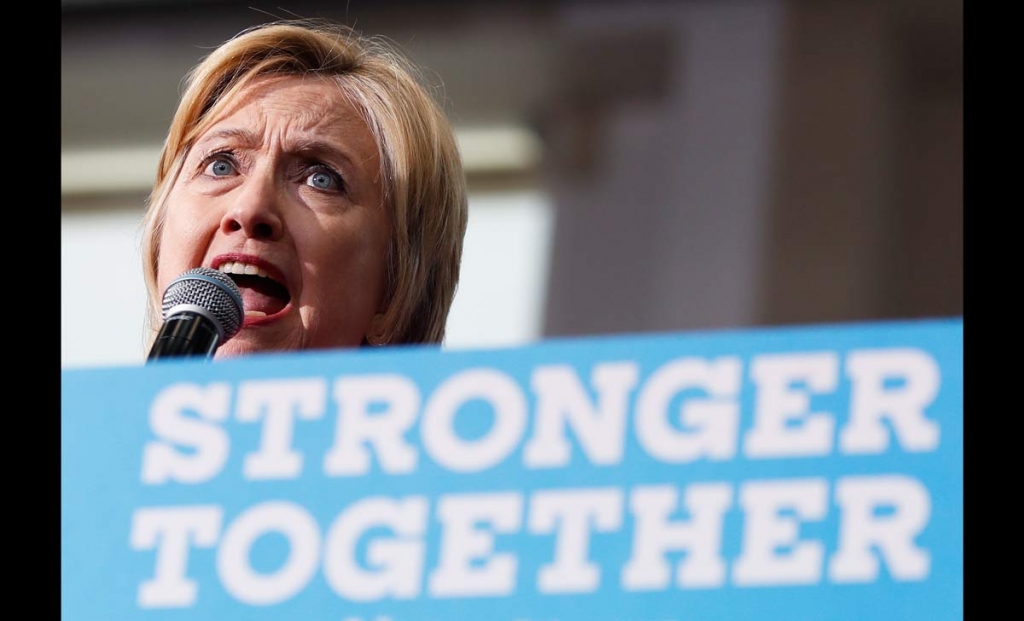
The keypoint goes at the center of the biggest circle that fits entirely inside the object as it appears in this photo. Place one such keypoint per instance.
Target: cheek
(371, 261)
(351, 273)
(182, 243)
(347, 272)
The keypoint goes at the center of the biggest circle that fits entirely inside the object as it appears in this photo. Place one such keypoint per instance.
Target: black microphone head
(209, 292)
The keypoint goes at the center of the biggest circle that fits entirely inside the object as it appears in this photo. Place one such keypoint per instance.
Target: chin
(259, 340)
(233, 351)
(244, 344)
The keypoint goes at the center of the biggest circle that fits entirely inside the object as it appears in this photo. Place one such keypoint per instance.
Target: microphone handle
(185, 334)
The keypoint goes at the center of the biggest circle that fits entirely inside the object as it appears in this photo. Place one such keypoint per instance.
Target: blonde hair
(421, 172)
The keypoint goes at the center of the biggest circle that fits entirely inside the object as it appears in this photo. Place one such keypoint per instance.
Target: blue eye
(220, 167)
(324, 180)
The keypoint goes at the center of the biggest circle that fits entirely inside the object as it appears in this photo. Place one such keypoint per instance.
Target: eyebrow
(244, 136)
(312, 146)
(326, 150)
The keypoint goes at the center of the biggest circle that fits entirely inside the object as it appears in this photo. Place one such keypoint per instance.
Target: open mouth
(262, 295)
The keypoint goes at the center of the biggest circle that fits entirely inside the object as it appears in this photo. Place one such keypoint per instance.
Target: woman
(311, 164)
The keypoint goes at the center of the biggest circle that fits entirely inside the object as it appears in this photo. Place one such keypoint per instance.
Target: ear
(375, 333)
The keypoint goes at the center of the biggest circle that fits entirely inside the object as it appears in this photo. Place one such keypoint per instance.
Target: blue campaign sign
(800, 473)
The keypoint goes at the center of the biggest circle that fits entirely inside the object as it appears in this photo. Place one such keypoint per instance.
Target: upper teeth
(242, 268)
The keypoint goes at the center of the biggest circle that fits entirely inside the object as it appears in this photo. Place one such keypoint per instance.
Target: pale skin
(287, 182)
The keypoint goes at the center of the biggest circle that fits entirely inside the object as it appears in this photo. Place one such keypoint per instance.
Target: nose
(256, 210)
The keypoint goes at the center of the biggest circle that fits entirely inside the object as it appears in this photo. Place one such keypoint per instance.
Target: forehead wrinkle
(334, 127)
(240, 135)
(316, 146)
(313, 123)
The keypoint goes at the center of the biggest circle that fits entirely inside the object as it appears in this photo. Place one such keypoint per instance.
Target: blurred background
(633, 166)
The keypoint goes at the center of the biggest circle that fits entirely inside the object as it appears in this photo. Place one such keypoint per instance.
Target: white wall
(103, 295)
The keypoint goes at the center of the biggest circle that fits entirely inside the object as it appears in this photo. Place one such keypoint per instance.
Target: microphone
(202, 309)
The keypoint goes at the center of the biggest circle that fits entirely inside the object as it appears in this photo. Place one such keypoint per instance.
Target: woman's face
(283, 192)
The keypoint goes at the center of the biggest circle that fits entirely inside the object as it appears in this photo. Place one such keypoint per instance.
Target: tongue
(259, 294)
(256, 301)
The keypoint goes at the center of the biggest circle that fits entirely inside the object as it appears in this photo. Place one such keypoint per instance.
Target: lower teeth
(255, 314)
